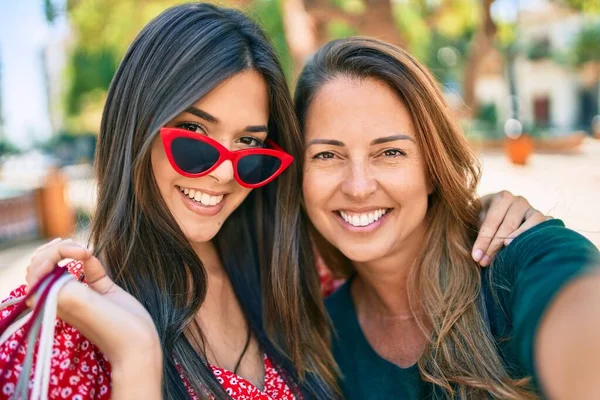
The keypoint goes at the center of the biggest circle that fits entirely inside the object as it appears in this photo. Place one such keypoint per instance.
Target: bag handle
(40, 323)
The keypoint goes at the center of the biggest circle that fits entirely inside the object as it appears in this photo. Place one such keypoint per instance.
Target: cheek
(317, 186)
(407, 187)
(237, 197)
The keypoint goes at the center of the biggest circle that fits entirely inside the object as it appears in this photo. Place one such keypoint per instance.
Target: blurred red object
(328, 283)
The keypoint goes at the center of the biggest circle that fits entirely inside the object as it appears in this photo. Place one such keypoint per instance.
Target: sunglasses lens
(257, 168)
(193, 156)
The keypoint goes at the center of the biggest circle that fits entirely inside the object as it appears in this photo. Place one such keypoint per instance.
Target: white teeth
(202, 198)
(205, 199)
(364, 219)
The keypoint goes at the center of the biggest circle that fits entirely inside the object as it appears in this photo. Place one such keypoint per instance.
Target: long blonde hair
(461, 358)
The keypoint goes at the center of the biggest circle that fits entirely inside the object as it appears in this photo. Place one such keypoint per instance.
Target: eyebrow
(391, 139)
(373, 142)
(214, 120)
(202, 114)
(326, 141)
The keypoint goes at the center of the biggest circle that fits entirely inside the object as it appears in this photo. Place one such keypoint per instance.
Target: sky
(23, 33)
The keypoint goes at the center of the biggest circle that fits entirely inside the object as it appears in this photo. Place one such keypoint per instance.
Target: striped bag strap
(36, 324)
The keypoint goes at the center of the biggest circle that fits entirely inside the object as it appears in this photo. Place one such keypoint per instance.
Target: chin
(361, 255)
(196, 235)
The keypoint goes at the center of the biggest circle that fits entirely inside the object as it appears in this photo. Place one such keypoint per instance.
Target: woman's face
(235, 114)
(365, 187)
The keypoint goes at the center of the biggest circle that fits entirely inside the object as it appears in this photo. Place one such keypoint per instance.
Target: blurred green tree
(585, 6)
(104, 29)
(586, 47)
(50, 11)
(452, 37)
(7, 148)
(421, 26)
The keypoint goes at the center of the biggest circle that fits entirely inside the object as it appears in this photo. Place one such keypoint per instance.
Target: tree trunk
(306, 23)
(300, 32)
(481, 45)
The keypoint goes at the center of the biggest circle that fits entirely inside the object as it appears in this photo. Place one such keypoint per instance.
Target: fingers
(508, 216)
(498, 207)
(50, 243)
(48, 255)
(534, 217)
(95, 275)
(514, 217)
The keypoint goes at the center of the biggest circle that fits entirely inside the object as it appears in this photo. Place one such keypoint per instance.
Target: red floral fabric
(79, 371)
(329, 284)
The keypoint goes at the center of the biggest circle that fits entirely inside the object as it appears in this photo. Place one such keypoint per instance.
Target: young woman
(193, 227)
(389, 187)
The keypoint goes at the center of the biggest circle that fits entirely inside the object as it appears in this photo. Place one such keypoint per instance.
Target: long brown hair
(445, 284)
(175, 60)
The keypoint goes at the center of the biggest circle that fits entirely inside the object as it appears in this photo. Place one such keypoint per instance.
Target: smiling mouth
(363, 219)
(200, 197)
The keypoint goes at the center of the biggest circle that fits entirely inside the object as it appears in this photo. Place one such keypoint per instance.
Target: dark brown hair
(445, 283)
(176, 59)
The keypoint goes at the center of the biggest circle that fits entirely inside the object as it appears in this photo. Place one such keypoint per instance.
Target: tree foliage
(103, 30)
(434, 31)
(587, 44)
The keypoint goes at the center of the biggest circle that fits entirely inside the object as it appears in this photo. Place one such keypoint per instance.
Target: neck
(207, 253)
(382, 285)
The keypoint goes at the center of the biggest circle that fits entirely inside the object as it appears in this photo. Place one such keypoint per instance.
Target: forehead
(366, 108)
(243, 96)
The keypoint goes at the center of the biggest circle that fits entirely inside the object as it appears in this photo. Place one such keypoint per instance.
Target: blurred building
(553, 94)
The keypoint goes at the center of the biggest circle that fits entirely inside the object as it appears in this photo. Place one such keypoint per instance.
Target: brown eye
(323, 156)
(251, 141)
(190, 126)
(394, 153)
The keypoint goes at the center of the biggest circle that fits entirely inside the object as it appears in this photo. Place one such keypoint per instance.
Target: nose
(358, 183)
(223, 173)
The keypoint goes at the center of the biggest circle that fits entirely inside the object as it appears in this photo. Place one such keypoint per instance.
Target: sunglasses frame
(168, 135)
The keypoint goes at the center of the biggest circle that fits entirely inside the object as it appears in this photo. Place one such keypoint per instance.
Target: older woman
(389, 186)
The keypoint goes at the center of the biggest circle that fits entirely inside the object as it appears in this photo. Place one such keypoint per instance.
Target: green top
(525, 276)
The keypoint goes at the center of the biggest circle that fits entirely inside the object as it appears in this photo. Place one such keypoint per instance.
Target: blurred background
(522, 76)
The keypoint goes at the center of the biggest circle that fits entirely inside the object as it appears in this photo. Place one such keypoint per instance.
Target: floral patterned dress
(79, 371)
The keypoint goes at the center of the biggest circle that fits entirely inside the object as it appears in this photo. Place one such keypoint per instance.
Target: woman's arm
(545, 283)
(109, 317)
(567, 348)
(129, 342)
